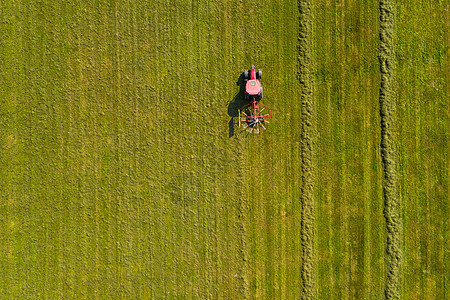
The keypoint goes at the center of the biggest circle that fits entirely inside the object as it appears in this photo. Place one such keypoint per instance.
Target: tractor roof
(253, 87)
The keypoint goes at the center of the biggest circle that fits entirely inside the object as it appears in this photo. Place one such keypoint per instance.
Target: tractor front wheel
(259, 74)
(246, 74)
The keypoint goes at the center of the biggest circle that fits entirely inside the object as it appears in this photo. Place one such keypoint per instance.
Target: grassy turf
(118, 176)
(423, 111)
(350, 225)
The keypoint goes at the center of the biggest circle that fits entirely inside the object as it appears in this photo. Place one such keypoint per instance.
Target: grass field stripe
(307, 151)
(368, 184)
(422, 116)
(392, 207)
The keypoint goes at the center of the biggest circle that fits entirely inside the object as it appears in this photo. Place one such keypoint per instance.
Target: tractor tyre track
(307, 149)
(388, 152)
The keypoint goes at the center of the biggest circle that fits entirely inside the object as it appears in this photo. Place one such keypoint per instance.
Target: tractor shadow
(235, 104)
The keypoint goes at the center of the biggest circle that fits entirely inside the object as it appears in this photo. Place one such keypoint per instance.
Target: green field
(122, 174)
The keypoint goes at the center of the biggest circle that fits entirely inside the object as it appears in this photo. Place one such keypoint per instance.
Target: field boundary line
(392, 206)
(307, 150)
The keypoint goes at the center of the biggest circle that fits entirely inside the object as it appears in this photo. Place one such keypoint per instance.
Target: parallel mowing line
(307, 149)
(388, 153)
(243, 231)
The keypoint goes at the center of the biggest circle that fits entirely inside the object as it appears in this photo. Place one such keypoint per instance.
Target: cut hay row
(388, 152)
(307, 150)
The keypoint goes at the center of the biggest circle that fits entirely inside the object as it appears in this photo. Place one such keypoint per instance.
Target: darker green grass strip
(307, 149)
(388, 152)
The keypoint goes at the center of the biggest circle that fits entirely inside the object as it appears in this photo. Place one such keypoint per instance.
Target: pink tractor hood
(253, 87)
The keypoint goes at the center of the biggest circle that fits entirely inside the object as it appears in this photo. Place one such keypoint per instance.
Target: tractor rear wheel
(246, 74)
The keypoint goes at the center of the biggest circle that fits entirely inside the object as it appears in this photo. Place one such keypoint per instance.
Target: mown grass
(423, 111)
(118, 177)
(388, 150)
(350, 225)
(273, 165)
(308, 150)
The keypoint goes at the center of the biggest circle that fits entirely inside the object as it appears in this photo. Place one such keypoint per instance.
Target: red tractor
(250, 115)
